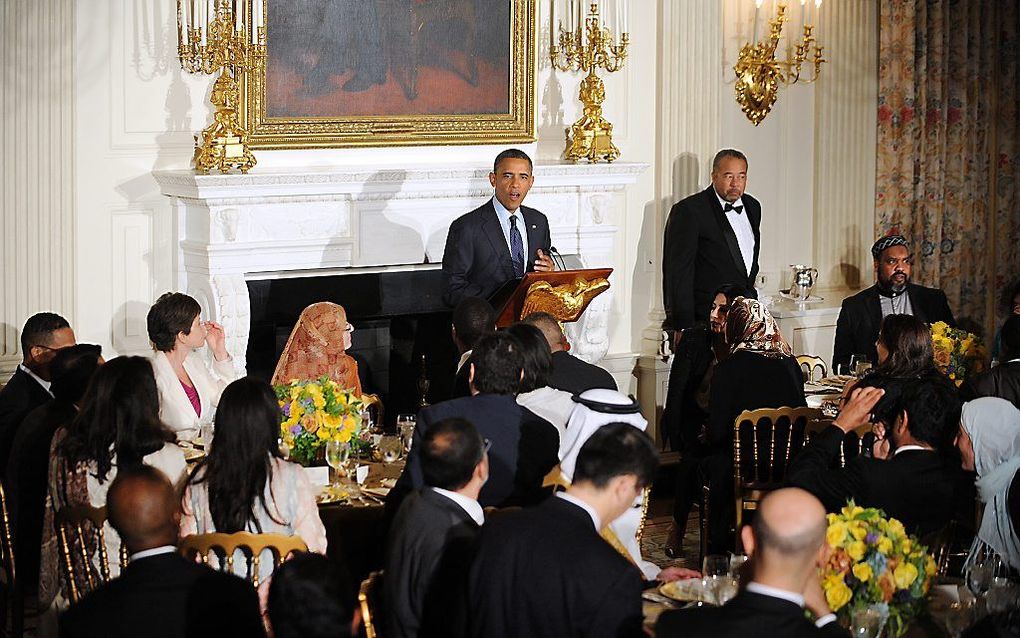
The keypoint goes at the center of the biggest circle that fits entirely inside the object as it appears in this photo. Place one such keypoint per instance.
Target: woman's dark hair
(730, 291)
(498, 362)
(119, 417)
(908, 340)
(239, 465)
(172, 313)
(72, 369)
(1009, 293)
(536, 354)
(310, 596)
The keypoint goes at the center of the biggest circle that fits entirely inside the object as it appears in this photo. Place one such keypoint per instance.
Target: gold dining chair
(81, 539)
(223, 546)
(369, 597)
(855, 441)
(373, 402)
(808, 364)
(13, 603)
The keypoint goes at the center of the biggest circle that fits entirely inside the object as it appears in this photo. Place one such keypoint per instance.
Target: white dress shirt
(793, 597)
(906, 448)
(463, 359)
(469, 505)
(35, 377)
(588, 508)
(155, 551)
(741, 226)
(504, 224)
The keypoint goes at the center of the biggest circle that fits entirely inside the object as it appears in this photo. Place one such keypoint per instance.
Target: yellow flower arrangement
(873, 562)
(957, 353)
(315, 412)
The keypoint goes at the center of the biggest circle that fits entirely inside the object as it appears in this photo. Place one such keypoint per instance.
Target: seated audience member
(535, 394)
(27, 477)
(318, 347)
(431, 542)
(117, 427)
(188, 389)
(893, 294)
(569, 373)
(473, 318)
(160, 593)
(786, 542)
(760, 372)
(244, 484)
(545, 571)
(524, 445)
(908, 477)
(29, 387)
(310, 598)
(1009, 306)
(904, 349)
(989, 444)
(1003, 380)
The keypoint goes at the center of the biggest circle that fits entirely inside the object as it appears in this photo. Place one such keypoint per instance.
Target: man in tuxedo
(786, 542)
(712, 238)
(545, 571)
(1003, 380)
(569, 373)
(43, 335)
(907, 475)
(860, 317)
(431, 543)
(160, 593)
(473, 318)
(500, 240)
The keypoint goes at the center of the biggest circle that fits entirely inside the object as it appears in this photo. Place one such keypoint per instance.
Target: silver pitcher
(802, 280)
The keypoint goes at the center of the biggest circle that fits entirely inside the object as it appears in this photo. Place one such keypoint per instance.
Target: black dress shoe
(674, 542)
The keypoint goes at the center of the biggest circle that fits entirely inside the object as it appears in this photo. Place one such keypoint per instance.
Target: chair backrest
(224, 546)
(763, 440)
(81, 541)
(854, 442)
(372, 402)
(808, 364)
(12, 602)
(369, 597)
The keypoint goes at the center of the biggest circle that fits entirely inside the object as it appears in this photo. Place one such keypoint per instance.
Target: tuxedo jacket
(428, 555)
(21, 395)
(544, 572)
(574, 375)
(700, 253)
(1002, 381)
(477, 262)
(166, 596)
(915, 486)
(860, 319)
(748, 615)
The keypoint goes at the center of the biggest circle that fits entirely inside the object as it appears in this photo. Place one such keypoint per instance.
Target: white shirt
(741, 226)
(45, 384)
(588, 508)
(504, 224)
(904, 448)
(463, 359)
(155, 551)
(469, 505)
(793, 597)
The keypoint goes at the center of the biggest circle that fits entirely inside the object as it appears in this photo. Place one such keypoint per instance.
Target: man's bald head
(550, 329)
(789, 524)
(143, 507)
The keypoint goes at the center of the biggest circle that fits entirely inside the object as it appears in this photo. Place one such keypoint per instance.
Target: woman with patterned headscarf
(317, 347)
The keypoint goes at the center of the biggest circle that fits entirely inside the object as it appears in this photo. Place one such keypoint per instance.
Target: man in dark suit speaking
(500, 240)
(712, 238)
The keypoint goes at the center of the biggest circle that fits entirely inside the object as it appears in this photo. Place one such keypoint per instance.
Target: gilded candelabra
(759, 73)
(594, 47)
(229, 37)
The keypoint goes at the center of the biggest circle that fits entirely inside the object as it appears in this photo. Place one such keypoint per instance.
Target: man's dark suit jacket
(574, 375)
(545, 572)
(21, 395)
(682, 417)
(428, 557)
(915, 486)
(166, 596)
(700, 253)
(477, 262)
(748, 615)
(860, 319)
(1002, 381)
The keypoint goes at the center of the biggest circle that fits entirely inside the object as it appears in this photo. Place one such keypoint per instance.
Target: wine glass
(979, 576)
(1002, 595)
(959, 616)
(337, 455)
(714, 567)
(390, 448)
(737, 562)
(206, 431)
(405, 426)
(865, 623)
(859, 364)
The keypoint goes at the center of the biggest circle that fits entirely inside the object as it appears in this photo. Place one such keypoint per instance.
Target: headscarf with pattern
(750, 326)
(316, 348)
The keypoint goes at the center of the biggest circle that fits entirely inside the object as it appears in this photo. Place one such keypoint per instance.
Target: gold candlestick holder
(591, 136)
(229, 44)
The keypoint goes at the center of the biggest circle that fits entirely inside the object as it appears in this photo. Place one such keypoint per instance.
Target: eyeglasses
(486, 444)
(349, 329)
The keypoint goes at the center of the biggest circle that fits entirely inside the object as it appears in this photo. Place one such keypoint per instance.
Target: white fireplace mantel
(315, 221)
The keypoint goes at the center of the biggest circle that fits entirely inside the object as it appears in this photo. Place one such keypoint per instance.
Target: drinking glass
(859, 364)
(737, 562)
(206, 430)
(714, 567)
(725, 588)
(405, 427)
(337, 455)
(979, 576)
(865, 623)
(1002, 595)
(959, 617)
(390, 448)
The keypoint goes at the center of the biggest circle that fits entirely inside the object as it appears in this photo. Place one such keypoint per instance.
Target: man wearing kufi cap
(861, 316)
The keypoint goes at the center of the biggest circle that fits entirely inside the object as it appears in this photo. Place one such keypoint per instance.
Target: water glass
(959, 617)
(337, 455)
(724, 588)
(206, 430)
(737, 565)
(865, 623)
(716, 565)
(1002, 595)
(979, 577)
(390, 448)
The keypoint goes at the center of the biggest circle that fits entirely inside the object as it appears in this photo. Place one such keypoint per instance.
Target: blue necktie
(516, 248)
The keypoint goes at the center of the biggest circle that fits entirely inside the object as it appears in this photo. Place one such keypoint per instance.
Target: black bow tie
(728, 207)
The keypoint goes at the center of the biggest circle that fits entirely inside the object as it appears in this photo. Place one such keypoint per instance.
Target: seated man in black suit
(860, 317)
(431, 542)
(546, 572)
(524, 447)
(29, 387)
(473, 318)
(569, 373)
(908, 477)
(310, 597)
(1003, 380)
(500, 240)
(160, 592)
(787, 545)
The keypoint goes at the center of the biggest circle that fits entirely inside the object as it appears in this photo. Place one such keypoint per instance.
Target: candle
(257, 20)
(626, 16)
(757, 9)
(552, 23)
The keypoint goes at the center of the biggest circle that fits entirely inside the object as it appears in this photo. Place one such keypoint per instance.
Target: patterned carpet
(654, 540)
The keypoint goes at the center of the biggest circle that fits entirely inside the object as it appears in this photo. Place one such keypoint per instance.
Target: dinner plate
(690, 590)
(819, 388)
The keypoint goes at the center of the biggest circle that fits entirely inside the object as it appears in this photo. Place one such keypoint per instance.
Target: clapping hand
(216, 339)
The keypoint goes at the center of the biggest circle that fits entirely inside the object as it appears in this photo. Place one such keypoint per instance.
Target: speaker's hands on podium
(543, 262)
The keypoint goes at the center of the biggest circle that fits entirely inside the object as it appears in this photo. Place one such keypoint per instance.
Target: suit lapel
(494, 233)
(533, 238)
(915, 303)
(875, 309)
(727, 230)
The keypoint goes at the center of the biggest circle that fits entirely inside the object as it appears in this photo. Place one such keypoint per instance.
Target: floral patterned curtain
(948, 153)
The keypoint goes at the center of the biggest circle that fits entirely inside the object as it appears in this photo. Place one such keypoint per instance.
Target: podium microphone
(556, 255)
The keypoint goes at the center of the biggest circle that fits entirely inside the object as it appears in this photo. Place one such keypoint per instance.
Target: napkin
(317, 475)
(361, 474)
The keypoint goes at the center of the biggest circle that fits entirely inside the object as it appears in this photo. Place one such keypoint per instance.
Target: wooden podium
(565, 294)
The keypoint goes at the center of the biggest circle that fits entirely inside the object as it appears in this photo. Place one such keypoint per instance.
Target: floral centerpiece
(315, 412)
(874, 563)
(958, 353)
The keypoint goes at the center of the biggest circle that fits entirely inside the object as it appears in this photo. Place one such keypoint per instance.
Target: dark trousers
(701, 465)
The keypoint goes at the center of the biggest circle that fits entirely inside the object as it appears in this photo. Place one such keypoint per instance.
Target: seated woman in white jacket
(188, 390)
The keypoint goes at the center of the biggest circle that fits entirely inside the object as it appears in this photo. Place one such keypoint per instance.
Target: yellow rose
(905, 575)
(885, 545)
(852, 511)
(859, 530)
(295, 392)
(929, 566)
(318, 401)
(907, 546)
(837, 594)
(836, 534)
(862, 571)
(322, 433)
(309, 423)
(896, 529)
(343, 436)
(856, 550)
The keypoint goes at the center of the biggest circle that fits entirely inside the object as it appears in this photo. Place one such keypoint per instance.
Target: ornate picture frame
(457, 75)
